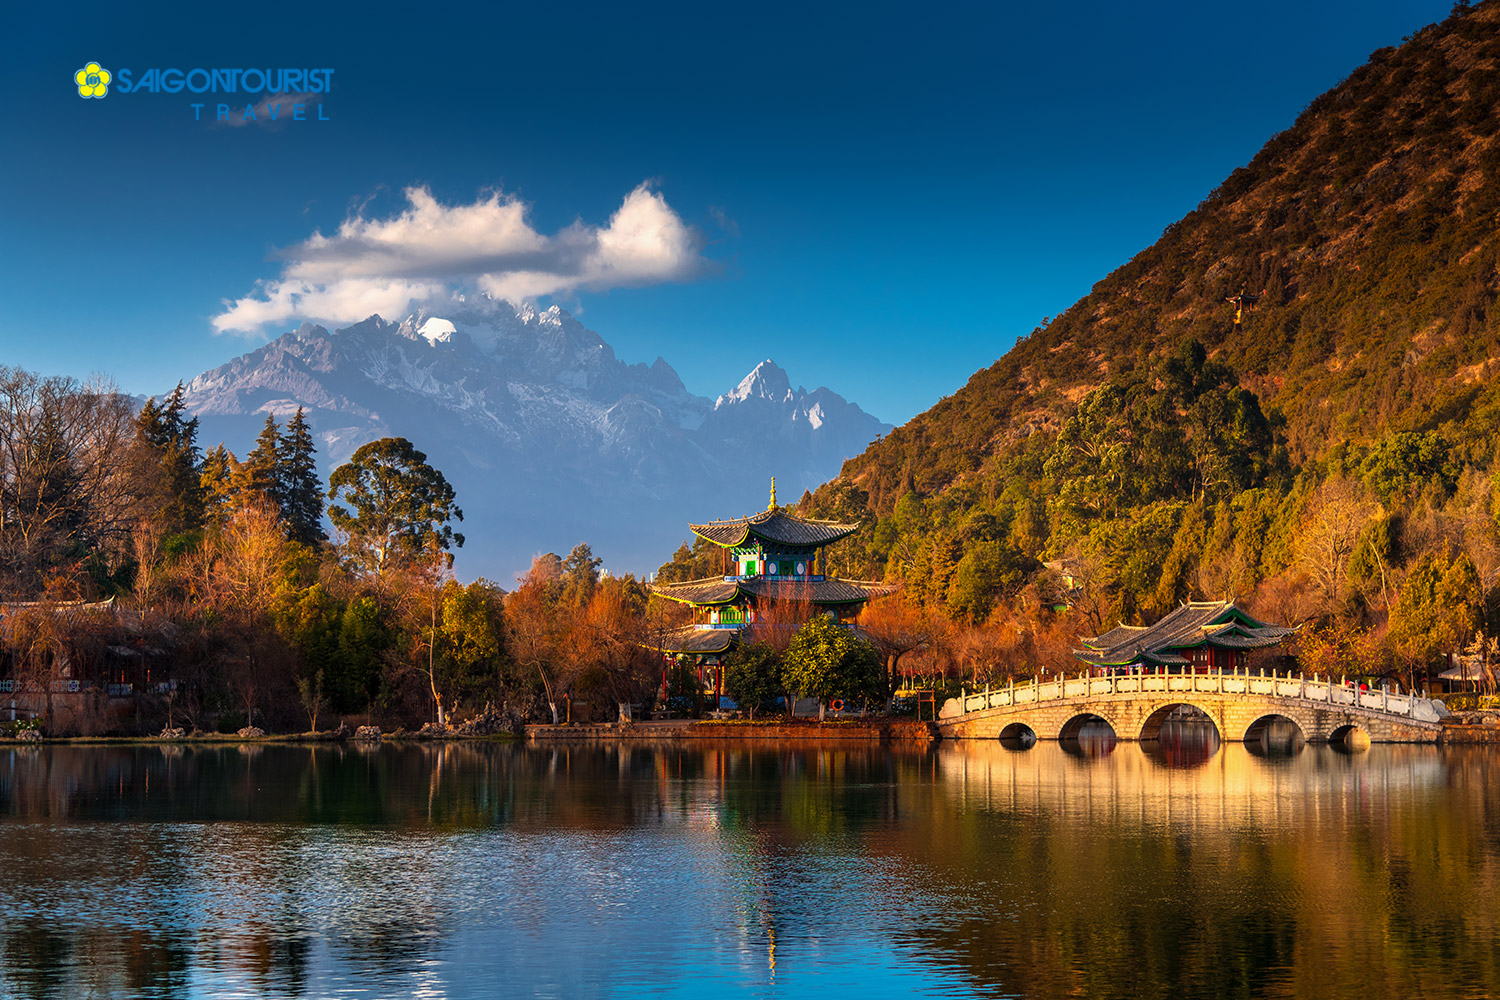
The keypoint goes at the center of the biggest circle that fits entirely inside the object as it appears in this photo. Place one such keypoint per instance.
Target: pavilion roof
(1196, 623)
(774, 526)
(695, 640)
(718, 590)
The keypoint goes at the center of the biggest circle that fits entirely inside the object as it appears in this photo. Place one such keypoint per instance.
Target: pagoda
(774, 575)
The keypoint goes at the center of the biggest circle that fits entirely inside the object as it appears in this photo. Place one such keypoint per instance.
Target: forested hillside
(1294, 394)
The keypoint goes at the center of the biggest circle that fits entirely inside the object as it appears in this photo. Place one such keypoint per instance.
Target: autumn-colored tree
(896, 627)
(535, 631)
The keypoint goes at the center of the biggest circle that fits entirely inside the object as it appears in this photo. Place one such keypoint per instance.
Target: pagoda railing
(1341, 692)
(804, 578)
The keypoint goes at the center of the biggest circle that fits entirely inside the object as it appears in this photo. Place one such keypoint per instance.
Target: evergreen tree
(580, 575)
(399, 505)
(171, 446)
(217, 483)
(258, 472)
(301, 492)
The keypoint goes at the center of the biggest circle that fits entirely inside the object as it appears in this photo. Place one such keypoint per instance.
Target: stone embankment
(1471, 727)
(868, 730)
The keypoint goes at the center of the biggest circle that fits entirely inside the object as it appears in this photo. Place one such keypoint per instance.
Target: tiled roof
(717, 590)
(1197, 623)
(774, 526)
(712, 590)
(695, 640)
(819, 591)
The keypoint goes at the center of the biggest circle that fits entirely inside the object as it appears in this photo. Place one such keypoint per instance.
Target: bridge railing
(1339, 692)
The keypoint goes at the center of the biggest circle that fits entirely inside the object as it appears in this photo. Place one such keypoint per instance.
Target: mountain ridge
(547, 436)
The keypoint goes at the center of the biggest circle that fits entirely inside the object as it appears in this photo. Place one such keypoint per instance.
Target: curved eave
(694, 640)
(699, 593)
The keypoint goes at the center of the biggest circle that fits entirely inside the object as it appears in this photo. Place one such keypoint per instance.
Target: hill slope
(1368, 230)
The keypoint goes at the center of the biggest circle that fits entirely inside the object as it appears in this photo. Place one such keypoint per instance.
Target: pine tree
(258, 473)
(301, 491)
(171, 445)
(217, 483)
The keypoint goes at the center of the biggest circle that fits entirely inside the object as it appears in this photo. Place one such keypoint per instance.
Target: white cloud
(431, 253)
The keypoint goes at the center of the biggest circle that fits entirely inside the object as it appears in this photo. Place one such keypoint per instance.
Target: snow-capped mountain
(546, 436)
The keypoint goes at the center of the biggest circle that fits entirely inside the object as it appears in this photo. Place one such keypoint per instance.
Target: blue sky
(880, 197)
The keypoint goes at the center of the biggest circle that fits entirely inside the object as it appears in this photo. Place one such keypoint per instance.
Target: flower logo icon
(93, 80)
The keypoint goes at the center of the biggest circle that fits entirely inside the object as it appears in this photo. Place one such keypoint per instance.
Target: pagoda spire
(773, 494)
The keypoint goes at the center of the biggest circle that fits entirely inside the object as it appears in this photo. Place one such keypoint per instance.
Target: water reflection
(1089, 737)
(1187, 738)
(1179, 868)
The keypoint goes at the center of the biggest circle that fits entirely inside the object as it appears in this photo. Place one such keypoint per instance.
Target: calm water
(1092, 870)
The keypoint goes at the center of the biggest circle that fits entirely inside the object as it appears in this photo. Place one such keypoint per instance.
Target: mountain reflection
(1177, 868)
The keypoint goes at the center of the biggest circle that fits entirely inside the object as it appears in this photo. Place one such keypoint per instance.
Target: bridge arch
(1018, 736)
(1151, 727)
(1275, 727)
(1076, 726)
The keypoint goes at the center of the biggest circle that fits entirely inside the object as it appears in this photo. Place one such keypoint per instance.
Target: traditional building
(1199, 636)
(774, 576)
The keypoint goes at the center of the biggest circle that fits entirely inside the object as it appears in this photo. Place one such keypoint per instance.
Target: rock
(250, 732)
(29, 735)
(172, 734)
(432, 729)
(488, 723)
(367, 733)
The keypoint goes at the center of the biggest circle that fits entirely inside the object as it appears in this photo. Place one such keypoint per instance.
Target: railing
(1331, 692)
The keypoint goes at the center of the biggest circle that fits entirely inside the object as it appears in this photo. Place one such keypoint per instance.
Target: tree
(1437, 612)
(535, 628)
(170, 448)
(469, 643)
(217, 483)
(69, 484)
(1336, 514)
(580, 575)
(897, 627)
(398, 505)
(362, 644)
(258, 472)
(825, 660)
(301, 492)
(752, 675)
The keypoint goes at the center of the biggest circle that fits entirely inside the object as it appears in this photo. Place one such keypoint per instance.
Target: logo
(93, 80)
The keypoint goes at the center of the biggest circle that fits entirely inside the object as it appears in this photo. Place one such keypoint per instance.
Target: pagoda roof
(774, 526)
(1196, 623)
(718, 590)
(695, 640)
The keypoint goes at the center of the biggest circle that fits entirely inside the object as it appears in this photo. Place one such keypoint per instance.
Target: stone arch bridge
(1239, 703)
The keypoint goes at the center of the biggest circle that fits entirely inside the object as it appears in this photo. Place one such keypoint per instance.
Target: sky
(880, 197)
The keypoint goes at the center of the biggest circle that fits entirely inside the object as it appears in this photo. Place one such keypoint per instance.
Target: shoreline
(668, 732)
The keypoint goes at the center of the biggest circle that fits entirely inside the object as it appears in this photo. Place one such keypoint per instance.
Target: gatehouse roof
(1197, 623)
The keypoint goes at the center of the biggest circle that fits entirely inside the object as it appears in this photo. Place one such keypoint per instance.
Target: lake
(1094, 869)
